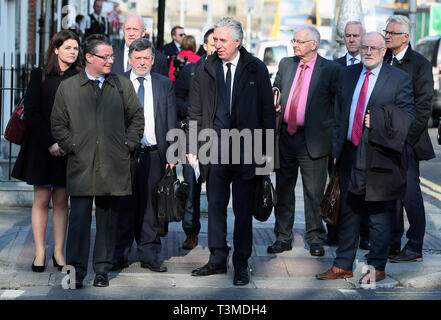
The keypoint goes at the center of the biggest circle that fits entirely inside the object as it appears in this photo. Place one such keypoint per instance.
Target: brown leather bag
(330, 204)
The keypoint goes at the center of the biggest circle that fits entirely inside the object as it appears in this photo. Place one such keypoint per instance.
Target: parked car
(271, 52)
(430, 48)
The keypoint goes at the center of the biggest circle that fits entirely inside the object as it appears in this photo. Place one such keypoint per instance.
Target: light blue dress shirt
(101, 79)
(372, 80)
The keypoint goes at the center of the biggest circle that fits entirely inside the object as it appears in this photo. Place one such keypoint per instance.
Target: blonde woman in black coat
(41, 162)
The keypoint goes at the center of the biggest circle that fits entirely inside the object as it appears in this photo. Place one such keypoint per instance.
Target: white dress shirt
(233, 71)
(149, 136)
(349, 57)
(399, 56)
(126, 57)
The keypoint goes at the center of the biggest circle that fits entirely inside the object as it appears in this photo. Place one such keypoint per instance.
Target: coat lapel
(155, 93)
(379, 85)
(315, 78)
(287, 84)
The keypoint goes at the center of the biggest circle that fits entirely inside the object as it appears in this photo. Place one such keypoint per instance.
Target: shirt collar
(234, 62)
(177, 45)
(349, 57)
(310, 63)
(101, 79)
(375, 71)
(97, 16)
(401, 54)
(134, 76)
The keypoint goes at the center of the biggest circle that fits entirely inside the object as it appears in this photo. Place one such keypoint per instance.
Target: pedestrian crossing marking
(11, 294)
(431, 185)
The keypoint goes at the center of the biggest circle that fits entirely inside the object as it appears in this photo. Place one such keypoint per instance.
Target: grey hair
(236, 28)
(363, 30)
(404, 21)
(140, 45)
(314, 34)
(375, 32)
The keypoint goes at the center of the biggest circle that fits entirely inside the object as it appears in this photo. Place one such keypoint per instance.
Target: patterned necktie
(292, 117)
(352, 60)
(357, 126)
(394, 61)
(141, 90)
(228, 84)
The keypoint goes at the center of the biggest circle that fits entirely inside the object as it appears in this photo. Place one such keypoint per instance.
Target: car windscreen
(273, 55)
(427, 48)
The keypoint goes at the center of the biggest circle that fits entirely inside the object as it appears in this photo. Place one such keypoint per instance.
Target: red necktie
(292, 117)
(357, 126)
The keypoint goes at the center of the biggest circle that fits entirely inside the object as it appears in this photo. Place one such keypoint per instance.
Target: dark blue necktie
(98, 84)
(228, 84)
(352, 61)
(141, 90)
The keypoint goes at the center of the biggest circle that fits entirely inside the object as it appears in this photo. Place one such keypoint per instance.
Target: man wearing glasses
(307, 84)
(174, 47)
(369, 180)
(418, 145)
(98, 130)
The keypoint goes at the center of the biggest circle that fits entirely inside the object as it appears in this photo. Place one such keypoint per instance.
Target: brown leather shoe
(190, 242)
(368, 277)
(334, 273)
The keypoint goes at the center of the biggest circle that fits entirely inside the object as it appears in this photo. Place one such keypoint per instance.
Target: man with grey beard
(370, 176)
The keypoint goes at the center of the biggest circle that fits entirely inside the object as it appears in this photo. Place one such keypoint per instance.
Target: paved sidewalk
(294, 269)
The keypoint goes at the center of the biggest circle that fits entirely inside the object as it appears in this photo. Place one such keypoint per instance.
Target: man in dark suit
(418, 145)
(95, 23)
(231, 90)
(370, 85)
(307, 85)
(353, 32)
(172, 49)
(190, 223)
(139, 220)
(133, 29)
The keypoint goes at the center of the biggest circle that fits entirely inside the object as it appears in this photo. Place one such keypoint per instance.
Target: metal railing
(15, 70)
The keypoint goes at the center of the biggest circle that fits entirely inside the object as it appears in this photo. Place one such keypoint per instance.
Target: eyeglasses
(391, 33)
(181, 34)
(105, 58)
(300, 42)
(366, 48)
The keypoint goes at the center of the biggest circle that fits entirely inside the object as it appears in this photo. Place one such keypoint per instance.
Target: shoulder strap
(121, 92)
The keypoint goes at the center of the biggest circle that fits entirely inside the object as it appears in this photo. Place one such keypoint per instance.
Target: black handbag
(266, 199)
(171, 200)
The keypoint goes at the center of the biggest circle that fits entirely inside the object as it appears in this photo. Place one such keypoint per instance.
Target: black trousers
(353, 208)
(414, 204)
(218, 192)
(294, 155)
(78, 237)
(191, 223)
(137, 214)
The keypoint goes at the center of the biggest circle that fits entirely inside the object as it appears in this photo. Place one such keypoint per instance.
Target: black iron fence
(15, 73)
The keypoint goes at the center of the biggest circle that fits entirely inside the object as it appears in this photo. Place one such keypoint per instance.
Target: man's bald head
(133, 29)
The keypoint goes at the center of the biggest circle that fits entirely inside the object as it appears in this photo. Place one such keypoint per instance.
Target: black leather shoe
(316, 250)
(393, 252)
(101, 280)
(365, 244)
(407, 255)
(279, 247)
(241, 277)
(209, 269)
(154, 266)
(119, 265)
(38, 268)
